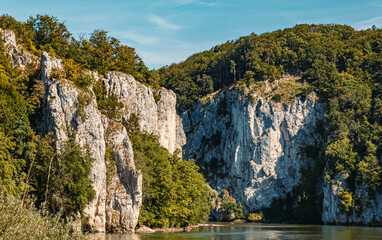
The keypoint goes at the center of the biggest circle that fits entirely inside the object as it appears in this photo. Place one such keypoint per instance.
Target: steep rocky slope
(116, 181)
(253, 148)
(156, 116)
(117, 202)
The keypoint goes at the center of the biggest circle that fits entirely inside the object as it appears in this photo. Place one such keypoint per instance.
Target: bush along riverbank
(22, 222)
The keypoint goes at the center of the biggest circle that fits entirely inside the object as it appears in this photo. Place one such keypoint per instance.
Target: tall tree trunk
(47, 180)
(27, 181)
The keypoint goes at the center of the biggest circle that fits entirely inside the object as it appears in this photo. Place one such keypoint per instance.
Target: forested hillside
(341, 65)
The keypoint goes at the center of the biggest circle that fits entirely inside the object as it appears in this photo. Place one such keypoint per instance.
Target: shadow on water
(227, 231)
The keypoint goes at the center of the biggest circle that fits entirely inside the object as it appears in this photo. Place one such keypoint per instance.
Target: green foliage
(232, 210)
(76, 74)
(24, 33)
(49, 34)
(84, 98)
(104, 53)
(174, 192)
(315, 52)
(255, 217)
(341, 156)
(229, 208)
(110, 164)
(63, 179)
(369, 171)
(346, 201)
(8, 165)
(18, 140)
(26, 161)
(100, 52)
(132, 125)
(341, 65)
(110, 106)
(276, 98)
(309, 200)
(27, 222)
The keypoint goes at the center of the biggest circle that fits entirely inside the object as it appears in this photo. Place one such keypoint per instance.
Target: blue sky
(168, 31)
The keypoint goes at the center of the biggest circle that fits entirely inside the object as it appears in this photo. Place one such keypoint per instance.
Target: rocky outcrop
(19, 57)
(62, 119)
(253, 148)
(369, 207)
(155, 108)
(117, 183)
(117, 202)
(122, 210)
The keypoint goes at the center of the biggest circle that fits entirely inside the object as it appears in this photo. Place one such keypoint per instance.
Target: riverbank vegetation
(175, 194)
(26, 222)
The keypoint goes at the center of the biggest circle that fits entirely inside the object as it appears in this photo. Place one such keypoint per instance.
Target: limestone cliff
(156, 116)
(253, 147)
(116, 181)
(117, 201)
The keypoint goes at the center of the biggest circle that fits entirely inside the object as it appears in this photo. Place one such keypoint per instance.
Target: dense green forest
(341, 65)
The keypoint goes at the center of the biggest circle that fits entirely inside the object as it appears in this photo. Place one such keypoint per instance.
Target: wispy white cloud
(163, 23)
(139, 38)
(375, 4)
(368, 23)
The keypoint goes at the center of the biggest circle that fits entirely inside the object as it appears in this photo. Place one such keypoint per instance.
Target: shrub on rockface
(229, 208)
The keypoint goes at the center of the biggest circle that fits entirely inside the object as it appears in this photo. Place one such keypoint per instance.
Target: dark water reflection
(248, 231)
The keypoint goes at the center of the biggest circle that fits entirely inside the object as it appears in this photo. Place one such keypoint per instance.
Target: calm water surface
(247, 231)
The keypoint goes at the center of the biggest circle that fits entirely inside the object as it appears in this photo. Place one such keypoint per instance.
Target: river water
(249, 231)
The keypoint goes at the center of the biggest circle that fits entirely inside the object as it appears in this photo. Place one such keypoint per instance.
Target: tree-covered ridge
(99, 52)
(341, 65)
(309, 51)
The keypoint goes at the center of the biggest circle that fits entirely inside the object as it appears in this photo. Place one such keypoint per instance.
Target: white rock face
(371, 207)
(251, 149)
(122, 210)
(159, 118)
(114, 207)
(118, 184)
(61, 118)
